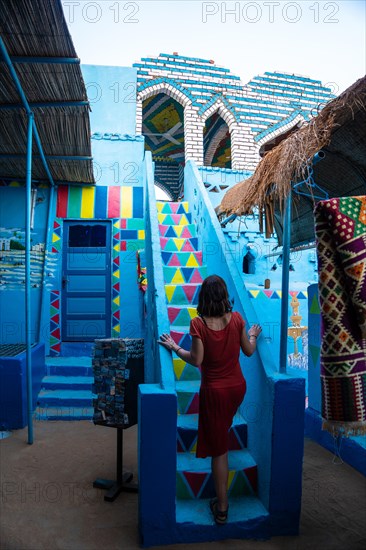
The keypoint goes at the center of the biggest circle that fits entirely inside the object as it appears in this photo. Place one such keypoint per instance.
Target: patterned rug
(340, 227)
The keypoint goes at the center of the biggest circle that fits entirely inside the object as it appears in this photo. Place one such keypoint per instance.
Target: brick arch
(170, 88)
(285, 127)
(222, 109)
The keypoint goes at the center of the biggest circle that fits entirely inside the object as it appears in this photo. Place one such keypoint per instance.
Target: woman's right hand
(255, 330)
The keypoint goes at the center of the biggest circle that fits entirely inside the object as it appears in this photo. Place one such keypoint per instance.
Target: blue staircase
(66, 390)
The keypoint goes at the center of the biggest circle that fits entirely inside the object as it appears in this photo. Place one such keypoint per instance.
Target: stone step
(195, 481)
(188, 427)
(185, 259)
(56, 382)
(184, 371)
(175, 219)
(65, 398)
(187, 396)
(69, 366)
(247, 518)
(178, 231)
(172, 207)
(174, 244)
(184, 275)
(182, 294)
(182, 315)
(63, 413)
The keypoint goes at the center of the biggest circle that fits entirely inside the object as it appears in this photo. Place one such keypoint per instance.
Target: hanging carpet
(340, 227)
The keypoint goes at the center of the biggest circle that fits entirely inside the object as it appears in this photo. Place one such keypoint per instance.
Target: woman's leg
(220, 472)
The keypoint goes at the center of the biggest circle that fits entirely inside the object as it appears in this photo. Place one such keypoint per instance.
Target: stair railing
(158, 361)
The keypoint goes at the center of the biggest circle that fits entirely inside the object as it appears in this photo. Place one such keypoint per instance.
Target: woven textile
(340, 226)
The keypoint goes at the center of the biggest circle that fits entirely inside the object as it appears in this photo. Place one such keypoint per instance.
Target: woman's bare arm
(248, 342)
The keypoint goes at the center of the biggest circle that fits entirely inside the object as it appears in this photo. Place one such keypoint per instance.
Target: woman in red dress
(218, 334)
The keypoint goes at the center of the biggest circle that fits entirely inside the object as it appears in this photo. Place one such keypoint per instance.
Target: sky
(323, 40)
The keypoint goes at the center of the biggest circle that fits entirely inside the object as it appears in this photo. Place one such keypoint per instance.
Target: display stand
(123, 481)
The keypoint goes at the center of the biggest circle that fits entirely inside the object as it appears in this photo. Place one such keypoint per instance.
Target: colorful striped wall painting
(99, 202)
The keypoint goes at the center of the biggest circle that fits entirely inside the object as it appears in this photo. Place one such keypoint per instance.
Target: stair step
(181, 316)
(63, 413)
(69, 366)
(184, 371)
(173, 207)
(187, 396)
(179, 245)
(67, 382)
(182, 294)
(241, 509)
(187, 433)
(185, 259)
(184, 275)
(194, 477)
(178, 231)
(65, 398)
(175, 219)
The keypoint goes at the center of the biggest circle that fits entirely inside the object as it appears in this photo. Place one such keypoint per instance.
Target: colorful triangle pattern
(55, 332)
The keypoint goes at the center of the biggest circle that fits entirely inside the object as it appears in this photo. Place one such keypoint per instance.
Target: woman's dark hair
(213, 299)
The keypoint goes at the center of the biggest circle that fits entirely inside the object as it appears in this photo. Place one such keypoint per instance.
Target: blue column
(28, 316)
(285, 282)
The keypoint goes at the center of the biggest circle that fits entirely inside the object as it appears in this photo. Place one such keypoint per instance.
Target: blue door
(86, 281)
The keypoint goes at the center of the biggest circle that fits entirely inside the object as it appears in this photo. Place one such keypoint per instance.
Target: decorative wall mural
(12, 258)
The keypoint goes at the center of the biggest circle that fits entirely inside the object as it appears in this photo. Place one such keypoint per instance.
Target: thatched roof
(35, 29)
(340, 131)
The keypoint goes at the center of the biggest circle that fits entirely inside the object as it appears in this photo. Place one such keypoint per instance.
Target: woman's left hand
(167, 341)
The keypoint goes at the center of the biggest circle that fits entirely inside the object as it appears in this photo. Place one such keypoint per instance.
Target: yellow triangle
(179, 366)
(183, 220)
(231, 477)
(192, 312)
(116, 301)
(117, 328)
(178, 243)
(169, 291)
(55, 238)
(161, 218)
(178, 278)
(254, 293)
(279, 292)
(178, 229)
(116, 273)
(116, 225)
(116, 248)
(159, 206)
(192, 262)
(185, 205)
(194, 448)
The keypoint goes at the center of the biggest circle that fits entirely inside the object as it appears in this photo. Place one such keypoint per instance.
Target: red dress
(222, 386)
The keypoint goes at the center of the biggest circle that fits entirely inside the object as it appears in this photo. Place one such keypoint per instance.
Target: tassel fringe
(344, 429)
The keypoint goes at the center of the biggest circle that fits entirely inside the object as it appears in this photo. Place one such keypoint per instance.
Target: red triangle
(56, 225)
(174, 261)
(252, 477)
(176, 218)
(196, 277)
(54, 250)
(293, 292)
(116, 287)
(56, 334)
(179, 447)
(56, 304)
(186, 233)
(116, 260)
(187, 247)
(177, 336)
(56, 319)
(174, 207)
(189, 291)
(173, 313)
(195, 481)
(116, 314)
(268, 293)
(194, 406)
(56, 347)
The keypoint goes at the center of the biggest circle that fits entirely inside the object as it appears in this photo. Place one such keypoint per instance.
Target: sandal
(220, 517)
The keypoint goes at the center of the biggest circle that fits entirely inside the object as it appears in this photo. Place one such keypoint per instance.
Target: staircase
(66, 390)
(183, 275)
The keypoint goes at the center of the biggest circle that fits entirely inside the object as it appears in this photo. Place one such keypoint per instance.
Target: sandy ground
(48, 501)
